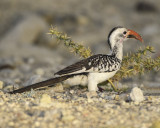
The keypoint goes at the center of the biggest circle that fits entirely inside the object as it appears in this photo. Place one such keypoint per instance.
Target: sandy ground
(76, 107)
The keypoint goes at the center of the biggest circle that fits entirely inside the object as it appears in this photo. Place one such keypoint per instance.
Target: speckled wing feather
(95, 63)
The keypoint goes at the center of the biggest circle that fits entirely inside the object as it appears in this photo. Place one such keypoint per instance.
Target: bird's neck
(117, 51)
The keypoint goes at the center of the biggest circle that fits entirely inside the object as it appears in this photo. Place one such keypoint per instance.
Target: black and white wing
(95, 63)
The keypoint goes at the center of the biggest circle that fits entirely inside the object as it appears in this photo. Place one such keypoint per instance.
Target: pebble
(123, 96)
(71, 91)
(111, 97)
(68, 118)
(45, 100)
(11, 124)
(136, 95)
(75, 122)
(90, 100)
(37, 124)
(116, 97)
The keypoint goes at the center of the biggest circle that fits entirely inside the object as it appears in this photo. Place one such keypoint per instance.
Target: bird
(95, 69)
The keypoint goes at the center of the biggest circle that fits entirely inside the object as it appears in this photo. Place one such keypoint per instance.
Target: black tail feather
(45, 83)
(49, 82)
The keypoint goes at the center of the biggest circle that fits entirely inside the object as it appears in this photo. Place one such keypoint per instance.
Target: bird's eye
(124, 32)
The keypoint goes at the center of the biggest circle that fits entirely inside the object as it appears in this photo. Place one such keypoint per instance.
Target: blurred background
(35, 56)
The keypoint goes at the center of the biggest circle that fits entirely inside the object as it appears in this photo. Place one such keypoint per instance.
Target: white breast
(101, 77)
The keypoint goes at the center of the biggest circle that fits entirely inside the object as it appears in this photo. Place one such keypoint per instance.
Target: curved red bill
(133, 34)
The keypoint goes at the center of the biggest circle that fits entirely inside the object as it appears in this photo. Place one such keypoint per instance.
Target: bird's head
(120, 34)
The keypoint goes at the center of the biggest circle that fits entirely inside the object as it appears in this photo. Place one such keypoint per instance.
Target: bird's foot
(113, 86)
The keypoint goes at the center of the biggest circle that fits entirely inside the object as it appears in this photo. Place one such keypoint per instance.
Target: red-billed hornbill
(95, 69)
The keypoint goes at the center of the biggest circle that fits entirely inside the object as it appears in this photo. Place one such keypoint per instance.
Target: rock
(71, 91)
(26, 31)
(116, 97)
(20, 38)
(136, 95)
(123, 97)
(110, 97)
(68, 118)
(90, 100)
(45, 100)
(76, 122)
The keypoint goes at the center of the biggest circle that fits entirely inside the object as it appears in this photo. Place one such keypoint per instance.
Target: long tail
(49, 82)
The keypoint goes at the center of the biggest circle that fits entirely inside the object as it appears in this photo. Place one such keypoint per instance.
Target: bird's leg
(92, 86)
(92, 83)
(113, 86)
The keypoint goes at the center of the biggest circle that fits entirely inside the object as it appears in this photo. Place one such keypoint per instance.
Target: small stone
(123, 97)
(136, 95)
(68, 118)
(37, 124)
(116, 97)
(75, 122)
(90, 100)
(111, 97)
(71, 91)
(108, 105)
(102, 95)
(1, 84)
(11, 123)
(45, 100)
(149, 98)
